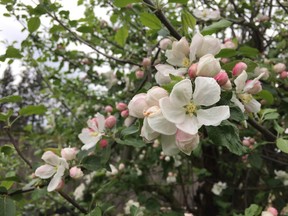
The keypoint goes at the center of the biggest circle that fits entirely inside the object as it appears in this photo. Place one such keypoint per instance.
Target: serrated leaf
(122, 35)
(216, 27)
(188, 21)
(96, 212)
(226, 135)
(124, 3)
(33, 24)
(150, 20)
(11, 99)
(7, 206)
(33, 110)
(282, 144)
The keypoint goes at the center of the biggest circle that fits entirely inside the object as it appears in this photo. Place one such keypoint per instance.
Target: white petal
(186, 142)
(45, 171)
(162, 79)
(161, 125)
(181, 93)
(253, 106)
(213, 116)
(172, 112)
(240, 81)
(251, 84)
(147, 132)
(237, 102)
(196, 43)
(207, 91)
(190, 125)
(55, 181)
(175, 58)
(169, 146)
(50, 158)
(88, 138)
(101, 122)
(164, 69)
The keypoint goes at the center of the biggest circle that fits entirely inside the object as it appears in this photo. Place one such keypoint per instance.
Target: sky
(11, 31)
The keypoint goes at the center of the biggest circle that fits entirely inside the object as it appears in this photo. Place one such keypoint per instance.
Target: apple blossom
(218, 188)
(110, 121)
(125, 113)
(273, 211)
(266, 213)
(113, 172)
(262, 70)
(182, 107)
(221, 78)
(229, 44)
(178, 55)
(239, 68)
(69, 153)
(207, 14)
(121, 106)
(154, 95)
(75, 172)
(208, 66)
(279, 67)
(165, 43)
(163, 71)
(121, 166)
(186, 142)
(55, 166)
(257, 87)
(91, 135)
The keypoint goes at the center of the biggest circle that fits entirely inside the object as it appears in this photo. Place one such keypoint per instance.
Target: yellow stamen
(94, 133)
(190, 108)
(245, 98)
(186, 62)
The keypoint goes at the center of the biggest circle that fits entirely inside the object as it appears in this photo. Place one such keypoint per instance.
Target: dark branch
(266, 133)
(70, 200)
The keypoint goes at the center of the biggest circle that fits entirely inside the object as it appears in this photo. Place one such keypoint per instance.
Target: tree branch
(70, 200)
(15, 144)
(163, 19)
(266, 133)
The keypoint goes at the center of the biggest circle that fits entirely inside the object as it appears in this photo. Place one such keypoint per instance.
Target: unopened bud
(125, 113)
(75, 173)
(227, 86)
(246, 142)
(121, 166)
(273, 211)
(146, 62)
(103, 143)
(221, 78)
(278, 68)
(239, 68)
(69, 153)
(284, 74)
(192, 70)
(121, 106)
(108, 109)
(60, 185)
(165, 43)
(110, 121)
(139, 74)
(256, 88)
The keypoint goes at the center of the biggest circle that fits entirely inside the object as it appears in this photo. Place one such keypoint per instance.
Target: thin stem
(15, 144)
(266, 133)
(163, 19)
(73, 202)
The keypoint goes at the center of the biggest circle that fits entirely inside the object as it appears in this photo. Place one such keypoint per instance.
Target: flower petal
(240, 82)
(171, 112)
(197, 40)
(88, 138)
(253, 106)
(169, 146)
(161, 125)
(101, 122)
(181, 93)
(190, 125)
(50, 158)
(251, 84)
(147, 132)
(45, 171)
(237, 102)
(55, 181)
(186, 142)
(207, 91)
(213, 116)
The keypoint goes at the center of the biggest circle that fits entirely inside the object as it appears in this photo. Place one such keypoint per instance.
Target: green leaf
(236, 114)
(178, 1)
(150, 20)
(282, 144)
(7, 184)
(226, 53)
(33, 110)
(188, 21)
(269, 114)
(124, 3)
(122, 35)
(85, 29)
(7, 206)
(33, 24)
(267, 96)
(96, 212)
(92, 163)
(216, 27)
(137, 143)
(130, 130)
(253, 210)
(7, 149)
(11, 99)
(226, 135)
(12, 52)
(255, 160)
(5, 116)
(248, 51)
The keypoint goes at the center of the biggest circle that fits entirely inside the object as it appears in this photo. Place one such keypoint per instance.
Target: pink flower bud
(273, 211)
(60, 185)
(110, 121)
(225, 60)
(284, 74)
(278, 68)
(165, 43)
(256, 88)
(192, 70)
(108, 109)
(103, 143)
(69, 153)
(125, 113)
(246, 142)
(229, 44)
(139, 74)
(239, 68)
(121, 106)
(221, 78)
(252, 141)
(138, 105)
(146, 62)
(75, 173)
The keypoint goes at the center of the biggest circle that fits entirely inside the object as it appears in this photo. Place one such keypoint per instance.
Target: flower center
(190, 108)
(245, 98)
(186, 62)
(154, 110)
(94, 133)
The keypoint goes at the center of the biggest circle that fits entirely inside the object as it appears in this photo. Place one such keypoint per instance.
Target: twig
(70, 200)
(163, 19)
(266, 133)
(15, 144)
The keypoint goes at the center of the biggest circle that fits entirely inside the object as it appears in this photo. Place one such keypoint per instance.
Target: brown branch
(163, 19)
(266, 133)
(73, 202)
(16, 146)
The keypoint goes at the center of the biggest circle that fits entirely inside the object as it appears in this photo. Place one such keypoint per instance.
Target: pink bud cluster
(249, 142)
